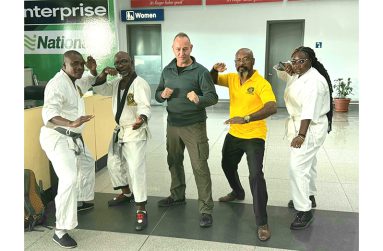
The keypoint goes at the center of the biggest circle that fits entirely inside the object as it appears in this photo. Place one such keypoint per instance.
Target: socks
(60, 232)
(128, 194)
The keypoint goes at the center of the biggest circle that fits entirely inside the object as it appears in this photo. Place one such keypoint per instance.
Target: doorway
(144, 46)
(281, 39)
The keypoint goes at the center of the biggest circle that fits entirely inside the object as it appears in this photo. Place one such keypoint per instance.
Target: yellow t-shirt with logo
(246, 99)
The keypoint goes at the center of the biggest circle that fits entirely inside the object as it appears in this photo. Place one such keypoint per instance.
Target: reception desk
(97, 134)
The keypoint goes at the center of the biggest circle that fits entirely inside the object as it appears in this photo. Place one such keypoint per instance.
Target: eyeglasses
(243, 60)
(298, 61)
(122, 61)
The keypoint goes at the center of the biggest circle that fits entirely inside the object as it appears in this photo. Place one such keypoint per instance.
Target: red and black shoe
(141, 220)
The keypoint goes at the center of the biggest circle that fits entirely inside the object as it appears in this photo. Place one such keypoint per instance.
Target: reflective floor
(336, 217)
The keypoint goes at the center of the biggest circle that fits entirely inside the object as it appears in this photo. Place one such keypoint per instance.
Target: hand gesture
(138, 123)
(193, 97)
(110, 71)
(235, 120)
(91, 63)
(166, 93)
(81, 120)
(289, 69)
(220, 67)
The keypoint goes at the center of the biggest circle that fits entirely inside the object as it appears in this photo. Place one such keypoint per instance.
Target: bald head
(122, 54)
(245, 51)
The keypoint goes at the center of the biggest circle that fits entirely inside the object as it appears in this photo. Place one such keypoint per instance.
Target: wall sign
(62, 12)
(142, 15)
(159, 3)
(217, 2)
(318, 44)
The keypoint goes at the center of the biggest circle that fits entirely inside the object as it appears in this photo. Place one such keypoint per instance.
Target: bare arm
(60, 121)
(268, 109)
(300, 138)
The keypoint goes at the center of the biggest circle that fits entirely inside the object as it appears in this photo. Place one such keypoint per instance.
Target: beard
(243, 71)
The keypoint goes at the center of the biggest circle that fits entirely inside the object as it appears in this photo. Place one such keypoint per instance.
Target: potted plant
(342, 89)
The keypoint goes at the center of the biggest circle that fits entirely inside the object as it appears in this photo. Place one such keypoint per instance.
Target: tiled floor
(337, 199)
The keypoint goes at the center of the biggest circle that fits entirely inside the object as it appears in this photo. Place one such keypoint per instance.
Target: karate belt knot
(117, 144)
(74, 137)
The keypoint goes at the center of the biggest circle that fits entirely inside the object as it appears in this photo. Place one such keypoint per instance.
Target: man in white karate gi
(64, 117)
(131, 108)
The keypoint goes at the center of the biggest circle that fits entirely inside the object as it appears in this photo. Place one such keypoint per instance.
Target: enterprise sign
(64, 11)
(142, 15)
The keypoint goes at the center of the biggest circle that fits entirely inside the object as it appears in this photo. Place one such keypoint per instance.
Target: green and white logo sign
(53, 42)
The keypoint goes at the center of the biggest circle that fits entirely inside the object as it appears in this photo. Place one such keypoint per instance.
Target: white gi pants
(303, 163)
(131, 161)
(76, 175)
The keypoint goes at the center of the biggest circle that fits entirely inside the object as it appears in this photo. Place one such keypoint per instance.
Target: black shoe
(302, 220)
(311, 197)
(65, 242)
(206, 220)
(169, 201)
(141, 220)
(85, 206)
(121, 199)
(231, 197)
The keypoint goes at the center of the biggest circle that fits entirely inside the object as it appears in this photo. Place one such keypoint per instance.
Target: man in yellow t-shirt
(251, 101)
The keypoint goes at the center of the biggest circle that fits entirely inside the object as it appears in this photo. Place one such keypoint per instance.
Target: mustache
(242, 69)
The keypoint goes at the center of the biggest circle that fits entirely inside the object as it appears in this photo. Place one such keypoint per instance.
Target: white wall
(217, 32)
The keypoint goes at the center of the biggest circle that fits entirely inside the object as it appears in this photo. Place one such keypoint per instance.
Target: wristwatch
(247, 118)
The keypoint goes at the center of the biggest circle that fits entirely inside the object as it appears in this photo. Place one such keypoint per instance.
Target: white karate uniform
(127, 156)
(76, 173)
(306, 97)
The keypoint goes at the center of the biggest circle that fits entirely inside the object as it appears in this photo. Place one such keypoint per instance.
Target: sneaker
(121, 199)
(264, 233)
(169, 201)
(231, 197)
(65, 242)
(311, 197)
(302, 220)
(141, 220)
(206, 220)
(85, 206)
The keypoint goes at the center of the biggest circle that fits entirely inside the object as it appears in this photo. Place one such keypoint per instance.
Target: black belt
(73, 135)
(68, 133)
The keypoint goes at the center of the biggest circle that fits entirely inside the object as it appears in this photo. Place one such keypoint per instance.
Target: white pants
(76, 175)
(303, 166)
(131, 162)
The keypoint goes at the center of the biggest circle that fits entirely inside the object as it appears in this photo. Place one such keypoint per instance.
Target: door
(144, 46)
(282, 38)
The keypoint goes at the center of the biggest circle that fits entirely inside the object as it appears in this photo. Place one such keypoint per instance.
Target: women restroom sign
(142, 15)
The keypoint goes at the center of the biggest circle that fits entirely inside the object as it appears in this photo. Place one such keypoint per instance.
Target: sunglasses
(298, 61)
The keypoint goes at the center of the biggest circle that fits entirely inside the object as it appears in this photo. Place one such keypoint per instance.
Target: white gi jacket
(307, 97)
(137, 102)
(62, 98)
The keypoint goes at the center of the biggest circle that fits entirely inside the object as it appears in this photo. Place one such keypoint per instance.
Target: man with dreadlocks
(308, 102)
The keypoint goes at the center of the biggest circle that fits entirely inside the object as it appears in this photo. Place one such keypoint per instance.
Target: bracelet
(301, 137)
(143, 117)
